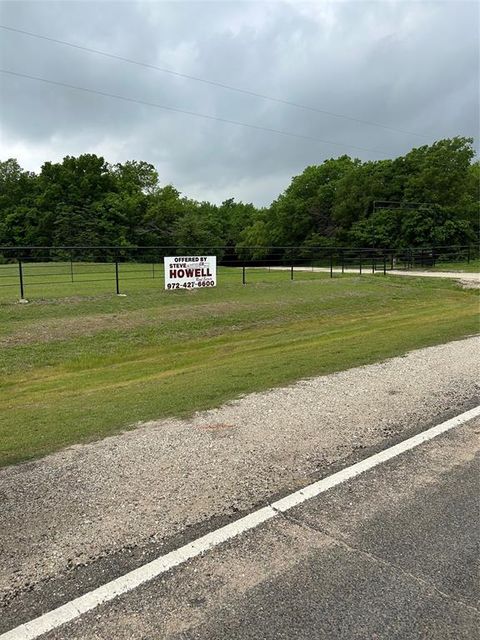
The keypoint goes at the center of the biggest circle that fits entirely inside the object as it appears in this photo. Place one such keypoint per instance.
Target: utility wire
(210, 82)
(189, 113)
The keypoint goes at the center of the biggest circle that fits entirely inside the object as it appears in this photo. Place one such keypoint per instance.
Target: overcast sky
(408, 65)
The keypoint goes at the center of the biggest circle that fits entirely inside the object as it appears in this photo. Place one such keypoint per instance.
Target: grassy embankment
(79, 363)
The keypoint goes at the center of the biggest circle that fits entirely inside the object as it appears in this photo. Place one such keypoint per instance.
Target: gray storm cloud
(410, 65)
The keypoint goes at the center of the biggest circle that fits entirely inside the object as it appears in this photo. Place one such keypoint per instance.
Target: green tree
(135, 177)
(234, 218)
(18, 217)
(84, 201)
(199, 227)
(255, 240)
(164, 208)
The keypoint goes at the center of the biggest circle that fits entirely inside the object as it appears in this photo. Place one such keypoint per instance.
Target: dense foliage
(428, 197)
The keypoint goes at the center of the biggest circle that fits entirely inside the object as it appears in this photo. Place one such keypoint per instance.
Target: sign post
(190, 272)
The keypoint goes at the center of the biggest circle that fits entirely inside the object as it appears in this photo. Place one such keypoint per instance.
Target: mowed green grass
(78, 362)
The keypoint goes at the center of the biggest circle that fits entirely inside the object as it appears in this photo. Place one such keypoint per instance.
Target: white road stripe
(75, 608)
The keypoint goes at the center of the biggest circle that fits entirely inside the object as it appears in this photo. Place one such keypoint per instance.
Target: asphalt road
(390, 554)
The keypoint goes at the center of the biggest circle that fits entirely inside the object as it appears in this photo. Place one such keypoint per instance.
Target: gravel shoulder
(90, 501)
(463, 276)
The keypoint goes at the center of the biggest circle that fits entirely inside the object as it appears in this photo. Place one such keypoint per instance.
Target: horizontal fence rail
(30, 268)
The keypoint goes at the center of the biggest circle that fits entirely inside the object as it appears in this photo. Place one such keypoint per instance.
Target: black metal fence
(30, 268)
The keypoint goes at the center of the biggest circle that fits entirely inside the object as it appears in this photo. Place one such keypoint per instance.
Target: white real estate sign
(189, 272)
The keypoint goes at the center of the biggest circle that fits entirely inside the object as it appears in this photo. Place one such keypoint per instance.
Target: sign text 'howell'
(189, 272)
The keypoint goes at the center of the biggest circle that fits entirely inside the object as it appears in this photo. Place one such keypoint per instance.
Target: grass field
(79, 363)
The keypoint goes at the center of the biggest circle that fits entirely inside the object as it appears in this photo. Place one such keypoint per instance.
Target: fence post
(244, 281)
(373, 264)
(291, 272)
(71, 266)
(153, 269)
(331, 265)
(384, 264)
(360, 265)
(20, 275)
(343, 261)
(117, 285)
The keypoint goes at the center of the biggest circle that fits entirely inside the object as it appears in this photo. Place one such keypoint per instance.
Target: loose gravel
(471, 277)
(88, 501)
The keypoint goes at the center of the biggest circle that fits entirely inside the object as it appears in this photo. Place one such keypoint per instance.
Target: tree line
(428, 197)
